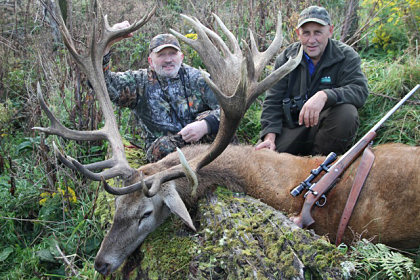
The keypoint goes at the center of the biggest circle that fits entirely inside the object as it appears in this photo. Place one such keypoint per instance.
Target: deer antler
(90, 63)
(235, 84)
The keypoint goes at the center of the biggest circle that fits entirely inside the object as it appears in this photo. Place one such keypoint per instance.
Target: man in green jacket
(313, 110)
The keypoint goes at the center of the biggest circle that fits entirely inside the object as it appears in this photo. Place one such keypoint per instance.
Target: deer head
(143, 204)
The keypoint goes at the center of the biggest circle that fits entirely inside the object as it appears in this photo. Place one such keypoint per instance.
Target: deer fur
(387, 211)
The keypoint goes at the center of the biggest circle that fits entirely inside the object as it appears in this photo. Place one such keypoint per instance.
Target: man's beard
(167, 73)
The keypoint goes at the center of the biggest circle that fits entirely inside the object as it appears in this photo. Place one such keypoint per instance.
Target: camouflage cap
(314, 14)
(162, 41)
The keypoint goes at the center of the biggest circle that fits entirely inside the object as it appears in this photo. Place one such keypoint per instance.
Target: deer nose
(102, 267)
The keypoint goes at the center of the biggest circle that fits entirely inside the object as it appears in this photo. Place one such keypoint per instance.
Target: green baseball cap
(162, 41)
(314, 14)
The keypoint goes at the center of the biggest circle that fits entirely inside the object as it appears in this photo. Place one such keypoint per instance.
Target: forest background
(45, 208)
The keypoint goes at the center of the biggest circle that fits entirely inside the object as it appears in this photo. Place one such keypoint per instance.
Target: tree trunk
(238, 237)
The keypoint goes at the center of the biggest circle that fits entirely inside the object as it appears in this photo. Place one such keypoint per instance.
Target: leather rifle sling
(362, 172)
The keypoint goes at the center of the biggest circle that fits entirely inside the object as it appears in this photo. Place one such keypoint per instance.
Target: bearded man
(172, 103)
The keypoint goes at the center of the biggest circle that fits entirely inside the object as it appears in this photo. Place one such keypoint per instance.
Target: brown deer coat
(388, 209)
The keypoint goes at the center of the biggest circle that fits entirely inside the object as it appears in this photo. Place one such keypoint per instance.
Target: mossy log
(238, 237)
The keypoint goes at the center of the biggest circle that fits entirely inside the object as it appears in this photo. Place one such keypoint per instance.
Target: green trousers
(335, 132)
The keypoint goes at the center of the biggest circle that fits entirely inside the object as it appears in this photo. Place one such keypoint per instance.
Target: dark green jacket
(338, 73)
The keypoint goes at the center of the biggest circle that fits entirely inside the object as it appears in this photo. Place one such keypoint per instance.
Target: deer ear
(176, 205)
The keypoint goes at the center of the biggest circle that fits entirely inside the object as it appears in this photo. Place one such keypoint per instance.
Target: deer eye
(145, 215)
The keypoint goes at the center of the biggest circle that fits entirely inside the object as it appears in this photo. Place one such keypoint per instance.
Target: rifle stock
(304, 219)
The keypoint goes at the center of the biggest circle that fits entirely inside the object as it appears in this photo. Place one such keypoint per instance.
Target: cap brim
(161, 47)
(317, 20)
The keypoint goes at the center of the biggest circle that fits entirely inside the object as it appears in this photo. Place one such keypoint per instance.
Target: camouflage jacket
(163, 106)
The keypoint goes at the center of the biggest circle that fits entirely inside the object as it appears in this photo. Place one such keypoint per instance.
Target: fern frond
(377, 261)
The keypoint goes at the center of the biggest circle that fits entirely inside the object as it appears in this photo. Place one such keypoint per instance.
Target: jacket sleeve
(352, 86)
(124, 88)
(272, 112)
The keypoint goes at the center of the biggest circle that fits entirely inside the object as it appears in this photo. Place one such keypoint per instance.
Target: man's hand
(194, 131)
(309, 115)
(118, 26)
(268, 143)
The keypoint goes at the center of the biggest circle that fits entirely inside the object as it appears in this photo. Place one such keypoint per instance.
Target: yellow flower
(45, 196)
(192, 36)
(70, 192)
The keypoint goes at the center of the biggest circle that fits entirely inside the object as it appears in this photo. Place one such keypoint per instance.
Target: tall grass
(389, 81)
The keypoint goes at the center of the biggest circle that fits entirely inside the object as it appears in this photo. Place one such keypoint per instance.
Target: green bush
(397, 23)
(5, 117)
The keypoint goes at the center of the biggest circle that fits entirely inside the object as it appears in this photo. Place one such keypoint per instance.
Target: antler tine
(63, 158)
(277, 75)
(220, 44)
(91, 64)
(68, 41)
(152, 182)
(202, 45)
(232, 40)
(262, 58)
(110, 35)
(57, 128)
(216, 63)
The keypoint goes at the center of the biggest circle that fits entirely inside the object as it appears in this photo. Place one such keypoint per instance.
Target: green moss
(167, 252)
(242, 241)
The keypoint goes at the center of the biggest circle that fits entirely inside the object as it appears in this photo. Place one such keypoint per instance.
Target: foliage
(397, 24)
(132, 53)
(250, 126)
(5, 117)
(388, 83)
(377, 261)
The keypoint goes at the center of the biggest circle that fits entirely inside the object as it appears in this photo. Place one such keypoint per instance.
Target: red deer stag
(144, 204)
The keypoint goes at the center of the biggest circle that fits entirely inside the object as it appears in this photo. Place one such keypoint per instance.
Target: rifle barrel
(395, 108)
(377, 125)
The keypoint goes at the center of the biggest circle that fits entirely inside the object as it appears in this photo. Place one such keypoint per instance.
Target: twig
(66, 261)
(413, 102)
(94, 203)
(29, 220)
(8, 44)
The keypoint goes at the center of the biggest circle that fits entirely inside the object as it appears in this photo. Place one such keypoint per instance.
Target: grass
(388, 83)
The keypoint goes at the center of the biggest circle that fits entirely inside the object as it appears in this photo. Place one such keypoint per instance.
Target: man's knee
(337, 130)
(341, 121)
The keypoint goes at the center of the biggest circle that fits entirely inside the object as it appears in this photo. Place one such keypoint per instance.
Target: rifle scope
(314, 173)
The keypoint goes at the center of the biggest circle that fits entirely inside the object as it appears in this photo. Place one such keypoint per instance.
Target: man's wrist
(323, 95)
(270, 137)
(207, 127)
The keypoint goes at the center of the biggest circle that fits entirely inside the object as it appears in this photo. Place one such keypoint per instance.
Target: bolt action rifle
(317, 190)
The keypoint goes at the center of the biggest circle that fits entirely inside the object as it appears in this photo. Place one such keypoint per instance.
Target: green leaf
(6, 253)
(45, 255)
